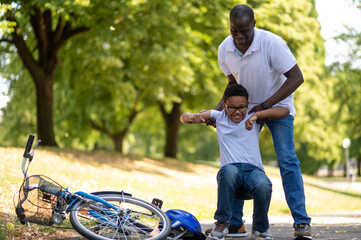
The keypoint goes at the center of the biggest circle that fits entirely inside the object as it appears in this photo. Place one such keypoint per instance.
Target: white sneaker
(219, 231)
(261, 236)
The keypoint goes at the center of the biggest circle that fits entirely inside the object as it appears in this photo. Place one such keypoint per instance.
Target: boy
(241, 170)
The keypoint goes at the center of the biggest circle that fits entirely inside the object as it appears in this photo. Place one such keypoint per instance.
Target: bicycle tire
(135, 219)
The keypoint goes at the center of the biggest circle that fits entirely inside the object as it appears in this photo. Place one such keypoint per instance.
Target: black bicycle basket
(36, 206)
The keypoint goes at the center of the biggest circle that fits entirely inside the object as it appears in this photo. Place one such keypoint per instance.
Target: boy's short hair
(235, 90)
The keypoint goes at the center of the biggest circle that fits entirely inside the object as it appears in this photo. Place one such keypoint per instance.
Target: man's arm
(294, 80)
(268, 114)
(202, 117)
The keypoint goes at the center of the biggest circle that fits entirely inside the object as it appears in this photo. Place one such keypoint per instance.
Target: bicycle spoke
(130, 219)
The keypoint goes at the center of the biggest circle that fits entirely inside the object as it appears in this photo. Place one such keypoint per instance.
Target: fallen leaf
(10, 226)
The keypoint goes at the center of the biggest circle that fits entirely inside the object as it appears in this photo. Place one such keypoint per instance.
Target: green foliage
(347, 98)
(153, 52)
(198, 142)
(140, 53)
(146, 137)
(19, 116)
(346, 92)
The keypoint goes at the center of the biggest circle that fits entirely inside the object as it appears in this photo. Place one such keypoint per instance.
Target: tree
(157, 51)
(346, 95)
(39, 31)
(185, 62)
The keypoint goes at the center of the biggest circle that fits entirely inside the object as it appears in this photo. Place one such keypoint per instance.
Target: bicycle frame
(93, 196)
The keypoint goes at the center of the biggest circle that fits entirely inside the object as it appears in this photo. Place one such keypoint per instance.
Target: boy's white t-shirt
(236, 143)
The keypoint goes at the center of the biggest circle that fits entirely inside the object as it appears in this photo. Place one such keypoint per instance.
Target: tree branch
(101, 127)
(162, 109)
(23, 49)
(58, 31)
(7, 40)
(68, 33)
(48, 23)
(39, 27)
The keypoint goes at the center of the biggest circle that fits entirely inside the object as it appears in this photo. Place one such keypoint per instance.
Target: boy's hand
(250, 121)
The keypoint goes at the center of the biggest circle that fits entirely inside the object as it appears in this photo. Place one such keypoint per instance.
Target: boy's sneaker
(233, 231)
(303, 231)
(261, 236)
(219, 231)
(237, 231)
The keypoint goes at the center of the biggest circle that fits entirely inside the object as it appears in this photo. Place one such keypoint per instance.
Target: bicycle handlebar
(28, 146)
(50, 190)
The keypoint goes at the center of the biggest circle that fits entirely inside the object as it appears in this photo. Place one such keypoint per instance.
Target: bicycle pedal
(157, 202)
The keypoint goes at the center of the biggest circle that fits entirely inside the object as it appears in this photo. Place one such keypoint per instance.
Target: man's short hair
(235, 90)
(241, 11)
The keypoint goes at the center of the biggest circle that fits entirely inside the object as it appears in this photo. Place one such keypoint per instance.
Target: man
(265, 66)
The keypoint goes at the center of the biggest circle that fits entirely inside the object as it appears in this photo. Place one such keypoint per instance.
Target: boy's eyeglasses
(233, 109)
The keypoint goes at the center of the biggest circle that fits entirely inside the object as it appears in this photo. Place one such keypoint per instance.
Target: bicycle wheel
(133, 219)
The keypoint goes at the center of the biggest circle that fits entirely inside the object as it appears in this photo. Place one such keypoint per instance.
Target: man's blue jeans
(233, 177)
(282, 134)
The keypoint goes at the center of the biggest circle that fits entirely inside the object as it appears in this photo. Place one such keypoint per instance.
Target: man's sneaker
(237, 231)
(303, 231)
(261, 236)
(219, 231)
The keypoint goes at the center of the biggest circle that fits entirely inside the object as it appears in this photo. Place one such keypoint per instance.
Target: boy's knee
(264, 187)
(227, 172)
(228, 169)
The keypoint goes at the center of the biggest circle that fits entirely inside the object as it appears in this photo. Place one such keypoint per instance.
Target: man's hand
(256, 108)
(250, 121)
(210, 121)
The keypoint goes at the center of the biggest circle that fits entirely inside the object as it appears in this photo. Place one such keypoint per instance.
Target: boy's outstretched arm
(268, 114)
(202, 117)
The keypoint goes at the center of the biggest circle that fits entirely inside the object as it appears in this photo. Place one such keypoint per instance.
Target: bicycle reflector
(185, 224)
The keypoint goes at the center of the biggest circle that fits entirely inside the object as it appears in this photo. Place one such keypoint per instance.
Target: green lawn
(188, 186)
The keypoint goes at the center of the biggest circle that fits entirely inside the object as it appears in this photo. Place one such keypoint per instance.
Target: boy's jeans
(230, 178)
(282, 134)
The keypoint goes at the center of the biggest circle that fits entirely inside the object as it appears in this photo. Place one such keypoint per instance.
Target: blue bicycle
(99, 215)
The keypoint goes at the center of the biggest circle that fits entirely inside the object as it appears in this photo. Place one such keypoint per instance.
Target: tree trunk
(359, 166)
(118, 139)
(330, 171)
(172, 124)
(44, 106)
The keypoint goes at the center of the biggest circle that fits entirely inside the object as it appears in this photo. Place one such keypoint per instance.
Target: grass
(188, 186)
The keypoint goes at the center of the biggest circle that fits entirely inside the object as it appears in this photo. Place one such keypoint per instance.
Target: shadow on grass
(11, 228)
(121, 161)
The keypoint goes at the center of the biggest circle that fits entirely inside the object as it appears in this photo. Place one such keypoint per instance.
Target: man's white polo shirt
(260, 70)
